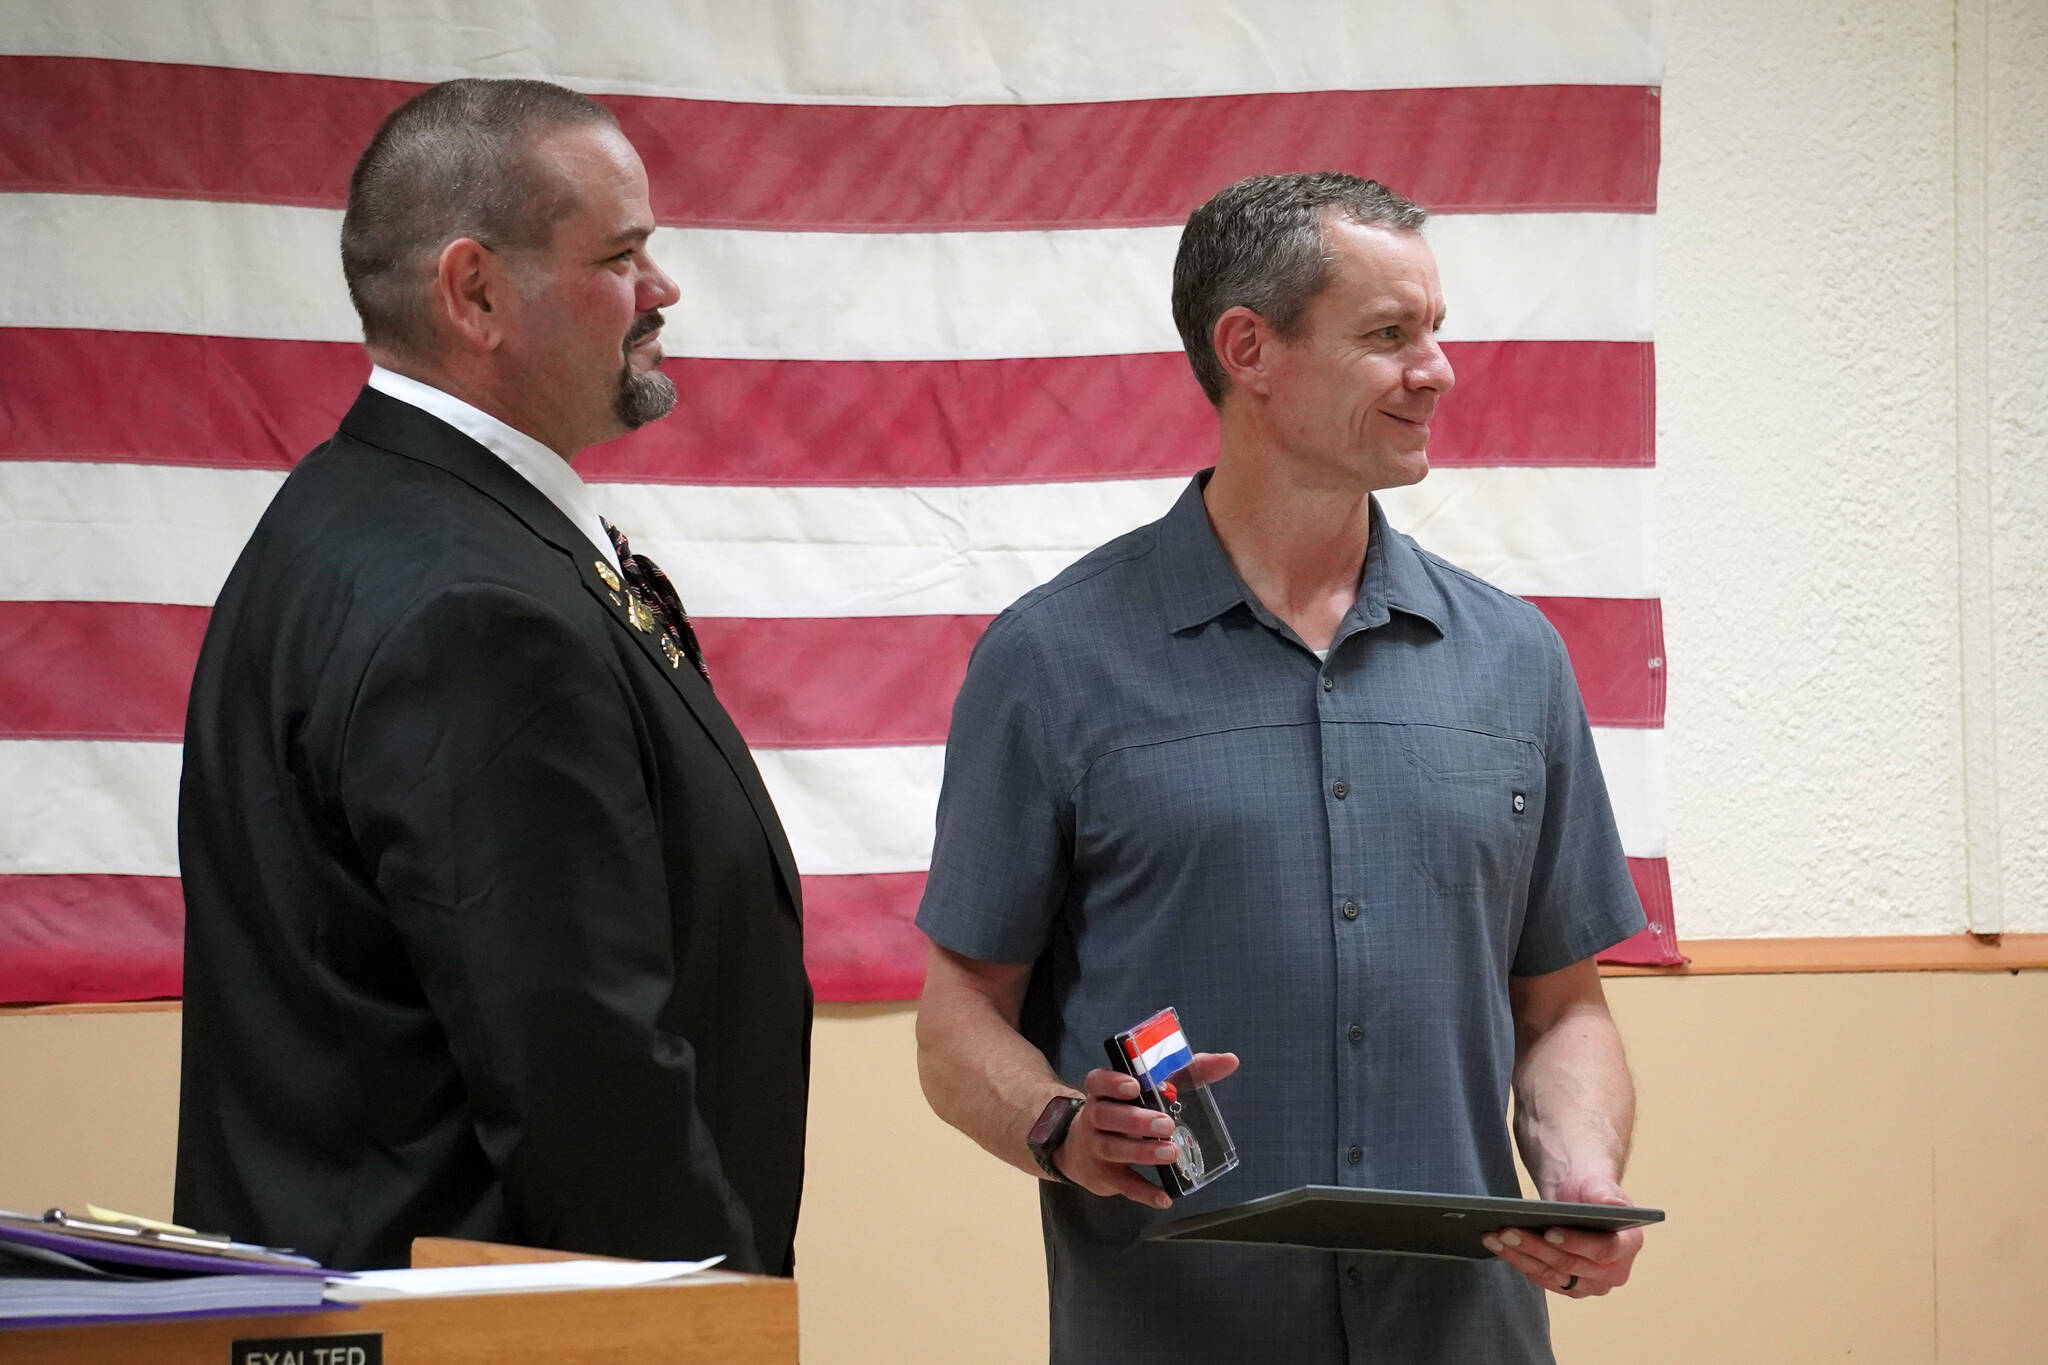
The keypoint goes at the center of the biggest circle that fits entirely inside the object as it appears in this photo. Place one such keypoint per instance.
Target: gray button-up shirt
(1158, 795)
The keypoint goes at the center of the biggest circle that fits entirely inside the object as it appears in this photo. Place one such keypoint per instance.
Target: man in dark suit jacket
(491, 928)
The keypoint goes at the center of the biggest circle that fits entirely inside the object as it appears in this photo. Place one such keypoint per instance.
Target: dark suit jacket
(491, 929)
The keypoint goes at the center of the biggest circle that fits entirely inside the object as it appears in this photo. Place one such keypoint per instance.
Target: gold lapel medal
(641, 618)
(675, 656)
(605, 575)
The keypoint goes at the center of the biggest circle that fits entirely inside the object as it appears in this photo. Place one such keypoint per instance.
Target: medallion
(1188, 1153)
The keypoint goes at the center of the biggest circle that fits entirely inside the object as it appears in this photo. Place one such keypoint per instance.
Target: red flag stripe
(1617, 650)
(811, 682)
(892, 679)
(233, 402)
(83, 938)
(1657, 945)
(65, 939)
(97, 670)
(87, 938)
(861, 941)
(121, 671)
(97, 126)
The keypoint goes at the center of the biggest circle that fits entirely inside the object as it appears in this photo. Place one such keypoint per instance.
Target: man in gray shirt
(1334, 799)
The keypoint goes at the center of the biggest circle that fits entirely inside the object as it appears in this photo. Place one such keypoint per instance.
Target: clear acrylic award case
(1157, 1055)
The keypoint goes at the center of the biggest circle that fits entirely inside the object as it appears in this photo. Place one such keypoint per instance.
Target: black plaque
(1394, 1222)
(347, 1348)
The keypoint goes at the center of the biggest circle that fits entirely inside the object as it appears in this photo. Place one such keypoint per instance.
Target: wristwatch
(1050, 1131)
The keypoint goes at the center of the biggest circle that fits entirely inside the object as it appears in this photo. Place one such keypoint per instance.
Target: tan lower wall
(1856, 1168)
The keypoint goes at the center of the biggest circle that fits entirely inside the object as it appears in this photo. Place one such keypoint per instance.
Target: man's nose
(657, 290)
(1432, 369)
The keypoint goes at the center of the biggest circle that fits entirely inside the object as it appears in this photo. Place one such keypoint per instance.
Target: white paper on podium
(495, 1279)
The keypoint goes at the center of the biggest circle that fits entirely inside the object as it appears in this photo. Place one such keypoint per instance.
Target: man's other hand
(1113, 1133)
(1550, 1258)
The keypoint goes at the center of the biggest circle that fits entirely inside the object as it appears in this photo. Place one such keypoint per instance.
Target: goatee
(643, 395)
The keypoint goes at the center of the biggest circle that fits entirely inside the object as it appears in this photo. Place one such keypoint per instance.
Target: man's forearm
(1574, 1100)
(979, 1073)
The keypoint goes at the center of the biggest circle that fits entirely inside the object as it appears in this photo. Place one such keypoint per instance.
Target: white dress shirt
(528, 458)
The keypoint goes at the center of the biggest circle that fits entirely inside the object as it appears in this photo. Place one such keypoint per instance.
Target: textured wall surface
(1807, 488)
(2018, 385)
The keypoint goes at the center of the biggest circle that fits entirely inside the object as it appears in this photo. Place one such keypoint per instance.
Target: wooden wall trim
(97, 1007)
(1708, 957)
(1902, 953)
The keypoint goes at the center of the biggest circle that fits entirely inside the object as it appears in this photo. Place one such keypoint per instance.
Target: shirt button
(1350, 909)
(1355, 1034)
(1339, 790)
(1355, 1155)
(1328, 683)
(1353, 1277)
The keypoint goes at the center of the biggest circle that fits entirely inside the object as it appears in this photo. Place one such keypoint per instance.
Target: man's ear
(1243, 341)
(471, 291)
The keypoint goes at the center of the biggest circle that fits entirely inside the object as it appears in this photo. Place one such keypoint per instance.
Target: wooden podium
(712, 1318)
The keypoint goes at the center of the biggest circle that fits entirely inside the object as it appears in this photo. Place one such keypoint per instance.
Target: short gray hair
(1262, 244)
(453, 161)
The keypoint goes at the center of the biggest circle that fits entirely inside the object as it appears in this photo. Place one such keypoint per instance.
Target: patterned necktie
(650, 586)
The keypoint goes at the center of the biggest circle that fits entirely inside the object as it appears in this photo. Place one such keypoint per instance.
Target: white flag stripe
(1171, 1045)
(1632, 761)
(1106, 291)
(99, 806)
(169, 534)
(187, 266)
(263, 270)
(886, 51)
(1537, 531)
(868, 809)
(89, 806)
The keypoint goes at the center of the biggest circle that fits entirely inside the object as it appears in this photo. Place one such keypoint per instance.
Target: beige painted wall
(1856, 1168)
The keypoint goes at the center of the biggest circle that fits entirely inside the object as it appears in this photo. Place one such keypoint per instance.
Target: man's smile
(645, 336)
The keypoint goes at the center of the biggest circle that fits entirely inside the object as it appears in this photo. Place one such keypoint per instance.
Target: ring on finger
(1571, 1284)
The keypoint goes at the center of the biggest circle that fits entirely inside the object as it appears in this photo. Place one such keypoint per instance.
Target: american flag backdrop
(924, 353)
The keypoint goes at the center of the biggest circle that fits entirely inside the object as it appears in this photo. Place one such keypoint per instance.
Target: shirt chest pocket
(1478, 804)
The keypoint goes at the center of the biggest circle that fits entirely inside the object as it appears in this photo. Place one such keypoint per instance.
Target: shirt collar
(1201, 585)
(1395, 577)
(528, 458)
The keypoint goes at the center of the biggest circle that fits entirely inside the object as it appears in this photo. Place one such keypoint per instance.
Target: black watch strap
(1050, 1131)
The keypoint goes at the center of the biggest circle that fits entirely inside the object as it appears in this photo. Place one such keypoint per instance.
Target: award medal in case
(1156, 1055)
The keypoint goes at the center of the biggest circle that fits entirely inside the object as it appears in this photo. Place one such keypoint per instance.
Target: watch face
(1052, 1123)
